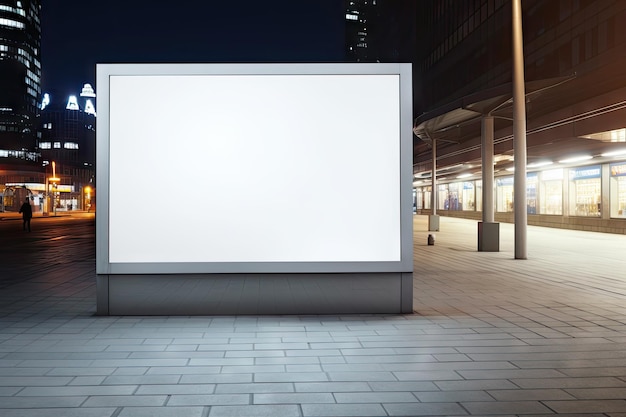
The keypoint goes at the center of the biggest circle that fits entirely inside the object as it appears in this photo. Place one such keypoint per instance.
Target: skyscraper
(360, 14)
(20, 77)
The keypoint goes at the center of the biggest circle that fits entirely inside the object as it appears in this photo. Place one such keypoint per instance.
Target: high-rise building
(20, 77)
(360, 14)
(67, 137)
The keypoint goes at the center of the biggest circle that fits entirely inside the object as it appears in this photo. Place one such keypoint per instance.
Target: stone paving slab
(490, 336)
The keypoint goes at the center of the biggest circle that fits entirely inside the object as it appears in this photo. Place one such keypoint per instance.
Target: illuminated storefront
(571, 192)
(585, 191)
(551, 192)
(618, 190)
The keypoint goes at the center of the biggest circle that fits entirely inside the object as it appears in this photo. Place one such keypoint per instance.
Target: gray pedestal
(488, 237)
(433, 223)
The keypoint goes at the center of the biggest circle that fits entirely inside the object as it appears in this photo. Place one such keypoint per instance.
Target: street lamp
(54, 180)
(87, 199)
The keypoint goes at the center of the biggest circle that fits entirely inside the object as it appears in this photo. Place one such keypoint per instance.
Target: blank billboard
(243, 168)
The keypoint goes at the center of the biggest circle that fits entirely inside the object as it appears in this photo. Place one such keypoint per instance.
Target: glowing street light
(87, 198)
(54, 180)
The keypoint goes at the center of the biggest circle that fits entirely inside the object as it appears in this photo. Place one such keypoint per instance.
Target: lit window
(57, 145)
(351, 17)
(70, 145)
(19, 11)
(45, 145)
(11, 23)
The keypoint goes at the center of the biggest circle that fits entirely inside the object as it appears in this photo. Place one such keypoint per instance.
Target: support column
(487, 174)
(433, 219)
(488, 230)
(519, 134)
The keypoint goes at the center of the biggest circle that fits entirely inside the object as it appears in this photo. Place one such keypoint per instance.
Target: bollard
(431, 239)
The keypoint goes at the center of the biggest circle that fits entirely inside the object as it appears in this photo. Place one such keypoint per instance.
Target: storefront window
(551, 192)
(469, 196)
(618, 190)
(585, 191)
(427, 197)
(479, 195)
(504, 195)
(443, 197)
(531, 193)
(454, 202)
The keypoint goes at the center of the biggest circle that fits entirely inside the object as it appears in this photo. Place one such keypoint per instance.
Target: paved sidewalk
(490, 336)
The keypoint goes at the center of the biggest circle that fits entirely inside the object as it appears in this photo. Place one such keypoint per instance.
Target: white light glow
(87, 91)
(614, 153)
(45, 101)
(314, 187)
(539, 164)
(72, 103)
(464, 176)
(576, 159)
(89, 108)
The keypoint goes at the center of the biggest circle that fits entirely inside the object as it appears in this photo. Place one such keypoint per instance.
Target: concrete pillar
(433, 219)
(487, 174)
(519, 134)
(488, 230)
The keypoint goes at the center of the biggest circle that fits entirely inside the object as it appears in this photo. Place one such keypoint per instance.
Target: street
(38, 262)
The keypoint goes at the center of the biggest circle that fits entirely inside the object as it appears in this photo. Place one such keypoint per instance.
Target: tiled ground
(491, 336)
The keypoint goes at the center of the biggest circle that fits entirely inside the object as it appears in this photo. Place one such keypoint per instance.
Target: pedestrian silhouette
(27, 214)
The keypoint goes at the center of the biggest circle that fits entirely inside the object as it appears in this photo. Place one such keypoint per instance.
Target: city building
(20, 77)
(361, 17)
(67, 137)
(63, 177)
(20, 92)
(575, 109)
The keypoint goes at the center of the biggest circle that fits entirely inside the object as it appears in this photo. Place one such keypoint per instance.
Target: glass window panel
(468, 196)
(442, 197)
(531, 193)
(585, 193)
(618, 190)
(504, 195)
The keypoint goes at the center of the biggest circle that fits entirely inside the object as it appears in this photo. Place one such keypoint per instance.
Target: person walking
(27, 214)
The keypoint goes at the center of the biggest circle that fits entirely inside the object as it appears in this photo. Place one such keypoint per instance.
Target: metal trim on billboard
(278, 168)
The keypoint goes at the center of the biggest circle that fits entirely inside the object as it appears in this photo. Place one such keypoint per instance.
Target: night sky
(77, 34)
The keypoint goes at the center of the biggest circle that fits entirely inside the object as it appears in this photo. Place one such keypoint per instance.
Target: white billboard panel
(242, 168)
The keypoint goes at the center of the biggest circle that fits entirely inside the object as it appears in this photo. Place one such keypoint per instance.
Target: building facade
(20, 92)
(20, 77)
(67, 138)
(65, 149)
(575, 109)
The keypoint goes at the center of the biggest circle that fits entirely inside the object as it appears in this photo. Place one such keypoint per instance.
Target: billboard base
(253, 294)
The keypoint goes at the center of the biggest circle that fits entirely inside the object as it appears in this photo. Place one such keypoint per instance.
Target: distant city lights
(87, 104)
(45, 101)
(72, 103)
(87, 91)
